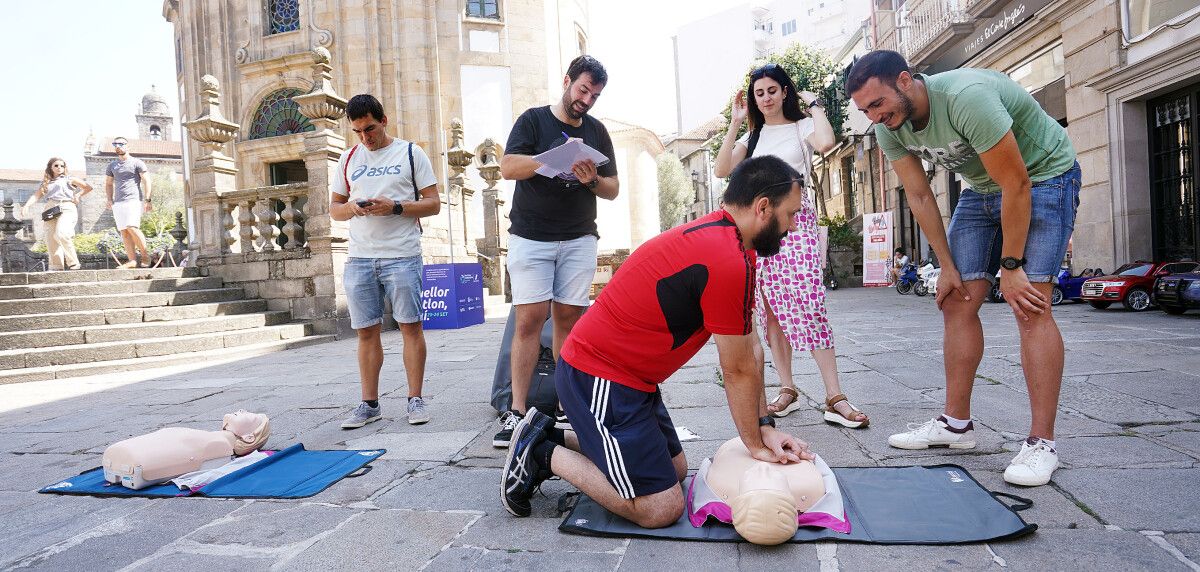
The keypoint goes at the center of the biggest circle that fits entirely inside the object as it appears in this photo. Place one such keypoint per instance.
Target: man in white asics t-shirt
(383, 186)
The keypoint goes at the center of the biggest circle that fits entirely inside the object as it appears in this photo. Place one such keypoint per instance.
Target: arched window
(282, 16)
(279, 115)
(155, 132)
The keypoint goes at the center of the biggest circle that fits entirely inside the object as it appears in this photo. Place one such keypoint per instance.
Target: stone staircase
(84, 322)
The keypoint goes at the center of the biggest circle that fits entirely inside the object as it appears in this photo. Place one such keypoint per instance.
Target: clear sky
(75, 65)
(71, 65)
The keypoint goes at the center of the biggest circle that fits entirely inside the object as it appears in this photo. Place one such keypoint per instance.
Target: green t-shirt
(970, 110)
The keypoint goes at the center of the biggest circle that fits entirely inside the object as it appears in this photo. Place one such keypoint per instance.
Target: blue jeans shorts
(975, 234)
(371, 281)
(559, 270)
(625, 432)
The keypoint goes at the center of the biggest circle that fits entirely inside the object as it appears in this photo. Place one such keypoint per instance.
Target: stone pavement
(1126, 498)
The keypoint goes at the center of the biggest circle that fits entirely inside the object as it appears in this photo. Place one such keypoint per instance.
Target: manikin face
(119, 145)
(778, 221)
(372, 133)
(768, 95)
(884, 104)
(579, 96)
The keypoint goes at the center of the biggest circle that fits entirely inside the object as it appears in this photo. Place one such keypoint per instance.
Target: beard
(569, 106)
(908, 109)
(769, 240)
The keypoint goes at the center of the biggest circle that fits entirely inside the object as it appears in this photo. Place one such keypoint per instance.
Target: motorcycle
(929, 276)
(907, 279)
(831, 281)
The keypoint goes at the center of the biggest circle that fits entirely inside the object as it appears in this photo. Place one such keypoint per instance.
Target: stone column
(212, 173)
(326, 238)
(493, 247)
(459, 158)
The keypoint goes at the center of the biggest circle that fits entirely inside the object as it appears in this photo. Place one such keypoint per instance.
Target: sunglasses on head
(764, 69)
(789, 182)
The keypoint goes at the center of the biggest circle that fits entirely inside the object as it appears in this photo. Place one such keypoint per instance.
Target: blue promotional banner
(452, 295)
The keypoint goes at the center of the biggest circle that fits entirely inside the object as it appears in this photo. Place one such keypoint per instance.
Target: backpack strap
(412, 173)
(346, 167)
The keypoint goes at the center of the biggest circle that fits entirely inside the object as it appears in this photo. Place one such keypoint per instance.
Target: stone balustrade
(264, 219)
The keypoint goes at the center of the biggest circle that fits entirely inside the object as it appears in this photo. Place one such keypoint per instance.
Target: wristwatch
(766, 420)
(816, 103)
(592, 184)
(1010, 263)
(397, 209)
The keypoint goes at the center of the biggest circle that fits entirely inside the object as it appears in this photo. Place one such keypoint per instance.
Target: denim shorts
(559, 270)
(371, 281)
(976, 238)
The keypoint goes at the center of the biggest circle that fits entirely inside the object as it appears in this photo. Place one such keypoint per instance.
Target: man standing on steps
(128, 191)
(1017, 217)
(384, 185)
(552, 242)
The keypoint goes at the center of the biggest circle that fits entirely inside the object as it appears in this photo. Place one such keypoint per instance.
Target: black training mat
(939, 504)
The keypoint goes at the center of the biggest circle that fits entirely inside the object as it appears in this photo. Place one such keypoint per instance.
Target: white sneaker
(933, 433)
(1033, 466)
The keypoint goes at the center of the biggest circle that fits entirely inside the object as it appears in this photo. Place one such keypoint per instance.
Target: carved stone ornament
(322, 103)
(211, 129)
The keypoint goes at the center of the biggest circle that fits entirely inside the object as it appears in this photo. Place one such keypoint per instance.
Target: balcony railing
(257, 228)
(925, 25)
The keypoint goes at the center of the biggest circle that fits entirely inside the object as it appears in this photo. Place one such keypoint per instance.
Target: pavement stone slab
(502, 532)
(385, 540)
(51, 519)
(1187, 543)
(441, 446)
(1085, 550)
(1137, 499)
(1132, 450)
(541, 561)
(204, 562)
(854, 556)
(655, 554)
(275, 524)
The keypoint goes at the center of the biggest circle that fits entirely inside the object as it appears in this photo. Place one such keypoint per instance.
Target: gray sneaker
(416, 411)
(362, 415)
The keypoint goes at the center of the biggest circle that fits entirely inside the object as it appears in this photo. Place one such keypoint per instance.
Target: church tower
(154, 118)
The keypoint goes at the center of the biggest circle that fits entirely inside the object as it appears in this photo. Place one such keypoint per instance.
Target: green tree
(811, 70)
(167, 193)
(675, 191)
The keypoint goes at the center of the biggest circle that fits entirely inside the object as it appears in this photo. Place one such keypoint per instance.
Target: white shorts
(127, 214)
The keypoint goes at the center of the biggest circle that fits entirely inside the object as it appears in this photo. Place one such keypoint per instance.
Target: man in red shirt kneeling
(673, 293)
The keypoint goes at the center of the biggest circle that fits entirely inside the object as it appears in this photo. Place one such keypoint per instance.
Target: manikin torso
(734, 471)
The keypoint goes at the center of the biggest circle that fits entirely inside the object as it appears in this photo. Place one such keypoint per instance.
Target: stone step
(112, 301)
(494, 306)
(85, 318)
(59, 277)
(108, 351)
(71, 336)
(69, 289)
(206, 357)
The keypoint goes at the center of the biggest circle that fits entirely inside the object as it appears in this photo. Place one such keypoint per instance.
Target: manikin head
(247, 431)
(764, 512)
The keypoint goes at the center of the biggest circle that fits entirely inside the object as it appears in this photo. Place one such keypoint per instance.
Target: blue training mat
(939, 504)
(291, 473)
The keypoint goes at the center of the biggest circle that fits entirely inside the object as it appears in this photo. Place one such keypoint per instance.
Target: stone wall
(294, 281)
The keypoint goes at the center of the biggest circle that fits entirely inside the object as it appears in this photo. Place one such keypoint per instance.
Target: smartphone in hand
(364, 203)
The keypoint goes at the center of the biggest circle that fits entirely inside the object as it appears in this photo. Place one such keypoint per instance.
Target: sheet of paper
(558, 161)
(685, 434)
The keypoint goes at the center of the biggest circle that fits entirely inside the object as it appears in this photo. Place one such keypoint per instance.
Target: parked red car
(1131, 284)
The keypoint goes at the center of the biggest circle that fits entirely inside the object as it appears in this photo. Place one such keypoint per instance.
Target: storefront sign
(877, 248)
(987, 32)
(452, 295)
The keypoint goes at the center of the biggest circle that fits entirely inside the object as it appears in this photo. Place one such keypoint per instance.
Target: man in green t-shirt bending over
(1017, 217)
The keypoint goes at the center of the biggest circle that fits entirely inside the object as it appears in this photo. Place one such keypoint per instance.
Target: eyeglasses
(118, 144)
(789, 182)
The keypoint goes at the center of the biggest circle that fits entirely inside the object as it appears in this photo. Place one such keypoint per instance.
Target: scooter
(907, 279)
(929, 276)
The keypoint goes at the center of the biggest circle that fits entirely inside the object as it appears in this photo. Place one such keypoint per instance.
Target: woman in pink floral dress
(791, 294)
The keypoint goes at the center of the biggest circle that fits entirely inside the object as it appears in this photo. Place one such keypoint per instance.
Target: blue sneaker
(522, 473)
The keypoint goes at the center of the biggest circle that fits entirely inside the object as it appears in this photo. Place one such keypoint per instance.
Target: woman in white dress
(790, 125)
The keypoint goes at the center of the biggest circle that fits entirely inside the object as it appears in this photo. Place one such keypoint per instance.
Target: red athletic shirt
(665, 301)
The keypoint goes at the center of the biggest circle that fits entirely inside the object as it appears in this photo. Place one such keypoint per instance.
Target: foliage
(39, 247)
(167, 194)
(811, 70)
(109, 241)
(675, 191)
(88, 243)
(841, 235)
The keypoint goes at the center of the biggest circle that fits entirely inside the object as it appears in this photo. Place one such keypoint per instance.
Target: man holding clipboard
(552, 240)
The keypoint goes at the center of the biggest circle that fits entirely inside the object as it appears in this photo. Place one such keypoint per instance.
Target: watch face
(1010, 263)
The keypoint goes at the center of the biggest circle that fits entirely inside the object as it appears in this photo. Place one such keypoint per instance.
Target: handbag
(52, 213)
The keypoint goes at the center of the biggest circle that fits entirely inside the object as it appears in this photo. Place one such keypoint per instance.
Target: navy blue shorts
(626, 433)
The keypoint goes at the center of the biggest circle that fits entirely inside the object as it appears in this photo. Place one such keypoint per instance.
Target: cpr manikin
(146, 460)
(765, 502)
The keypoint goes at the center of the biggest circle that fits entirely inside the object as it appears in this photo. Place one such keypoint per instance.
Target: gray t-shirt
(127, 179)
